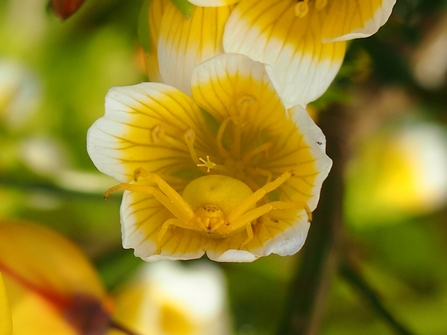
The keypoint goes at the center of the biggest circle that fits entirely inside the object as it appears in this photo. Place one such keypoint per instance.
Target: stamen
(242, 104)
(320, 4)
(261, 172)
(223, 153)
(190, 137)
(237, 140)
(244, 101)
(157, 134)
(154, 133)
(263, 147)
(302, 8)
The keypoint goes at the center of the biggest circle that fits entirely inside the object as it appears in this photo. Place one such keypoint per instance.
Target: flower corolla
(230, 172)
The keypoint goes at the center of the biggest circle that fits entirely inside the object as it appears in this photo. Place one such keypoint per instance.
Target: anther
(189, 137)
(302, 8)
(155, 133)
(245, 101)
(320, 4)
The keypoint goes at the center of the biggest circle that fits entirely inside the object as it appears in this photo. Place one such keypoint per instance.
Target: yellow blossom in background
(167, 298)
(304, 41)
(52, 288)
(399, 174)
(5, 313)
(230, 173)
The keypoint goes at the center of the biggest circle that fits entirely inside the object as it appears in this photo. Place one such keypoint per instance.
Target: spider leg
(258, 195)
(247, 218)
(174, 199)
(146, 189)
(249, 230)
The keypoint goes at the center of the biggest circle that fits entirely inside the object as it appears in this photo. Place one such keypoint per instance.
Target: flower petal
(269, 31)
(230, 82)
(156, 11)
(349, 19)
(315, 139)
(142, 217)
(5, 313)
(130, 135)
(284, 236)
(34, 314)
(184, 43)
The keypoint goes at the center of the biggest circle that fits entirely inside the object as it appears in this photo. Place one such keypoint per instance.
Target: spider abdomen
(220, 191)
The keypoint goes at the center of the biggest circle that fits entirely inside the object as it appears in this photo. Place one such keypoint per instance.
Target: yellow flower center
(237, 156)
(302, 7)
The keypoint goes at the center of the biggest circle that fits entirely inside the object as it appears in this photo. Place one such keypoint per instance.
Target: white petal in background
(176, 299)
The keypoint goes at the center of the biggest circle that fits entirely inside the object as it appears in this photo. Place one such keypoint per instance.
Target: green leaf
(184, 6)
(143, 26)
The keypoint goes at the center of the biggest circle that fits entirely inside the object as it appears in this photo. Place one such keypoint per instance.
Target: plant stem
(356, 281)
(319, 257)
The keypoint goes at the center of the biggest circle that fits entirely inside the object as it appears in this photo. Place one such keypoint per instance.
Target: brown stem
(319, 257)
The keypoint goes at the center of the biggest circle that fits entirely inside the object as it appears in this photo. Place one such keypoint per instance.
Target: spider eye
(222, 191)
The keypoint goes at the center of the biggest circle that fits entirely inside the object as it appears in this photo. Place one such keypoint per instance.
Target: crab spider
(217, 206)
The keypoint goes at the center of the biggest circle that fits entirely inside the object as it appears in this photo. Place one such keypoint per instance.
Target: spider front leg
(252, 215)
(245, 205)
(172, 194)
(166, 195)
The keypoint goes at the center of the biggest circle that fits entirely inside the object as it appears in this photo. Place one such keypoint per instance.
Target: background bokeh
(392, 90)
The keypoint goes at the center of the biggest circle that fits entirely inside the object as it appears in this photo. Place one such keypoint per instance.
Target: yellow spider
(217, 206)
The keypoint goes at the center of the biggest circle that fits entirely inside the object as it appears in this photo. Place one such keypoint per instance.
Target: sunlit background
(392, 88)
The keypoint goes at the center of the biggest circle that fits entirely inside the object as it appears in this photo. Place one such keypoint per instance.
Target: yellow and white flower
(304, 41)
(229, 172)
(167, 298)
(48, 286)
(52, 288)
(178, 44)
